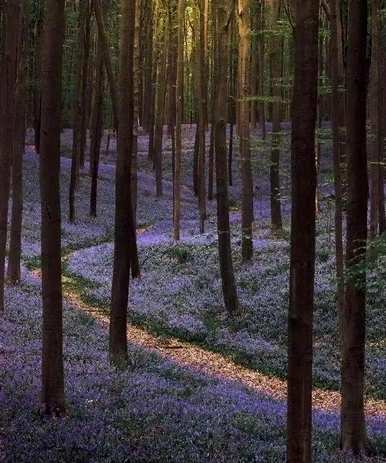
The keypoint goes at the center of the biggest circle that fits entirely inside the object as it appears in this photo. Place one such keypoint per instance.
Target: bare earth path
(189, 355)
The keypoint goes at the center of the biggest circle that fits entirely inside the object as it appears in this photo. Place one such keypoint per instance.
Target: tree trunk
(77, 112)
(125, 241)
(302, 261)
(245, 149)
(179, 115)
(160, 112)
(224, 11)
(338, 129)
(107, 59)
(52, 361)
(13, 270)
(353, 431)
(8, 85)
(96, 131)
(276, 74)
(202, 117)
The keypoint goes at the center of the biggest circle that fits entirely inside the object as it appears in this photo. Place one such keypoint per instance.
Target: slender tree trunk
(376, 97)
(338, 116)
(302, 261)
(353, 431)
(245, 149)
(77, 112)
(202, 117)
(8, 85)
(125, 249)
(276, 74)
(224, 12)
(13, 270)
(96, 131)
(179, 115)
(52, 361)
(160, 113)
(148, 68)
(107, 59)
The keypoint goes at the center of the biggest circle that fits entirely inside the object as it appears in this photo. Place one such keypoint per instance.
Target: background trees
(239, 79)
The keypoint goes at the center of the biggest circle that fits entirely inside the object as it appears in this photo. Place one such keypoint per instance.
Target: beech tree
(244, 114)
(223, 11)
(52, 361)
(353, 432)
(302, 259)
(12, 15)
(124, 236)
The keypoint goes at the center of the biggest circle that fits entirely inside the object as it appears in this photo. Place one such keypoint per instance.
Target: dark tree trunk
(353, 432)
(52, 361)
(96, 131)
(224, 11)
(14, 257)
(338, 116)
(8, 84)
(125, 251)
(244, 18)
(302, 262)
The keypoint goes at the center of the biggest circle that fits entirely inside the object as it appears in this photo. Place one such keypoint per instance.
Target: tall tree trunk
(376, 97)
(125, 249)
(8, 85)
(96, 131)
(160, 112)
(276, 74)
(245, 149)
(14, 257)
(107, 59)
(202, 117)
(148, 67)
(353, 432)
(302, 261)
(77, 111)
(338, 129)
(179, 115)
(224, 12)
(52, 361)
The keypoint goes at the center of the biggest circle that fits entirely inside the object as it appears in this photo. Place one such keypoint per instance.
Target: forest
(192, 231)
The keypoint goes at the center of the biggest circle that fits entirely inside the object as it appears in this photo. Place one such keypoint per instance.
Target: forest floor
(200, 386)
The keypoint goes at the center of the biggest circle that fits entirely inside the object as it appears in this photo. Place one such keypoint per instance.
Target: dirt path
(189, 355)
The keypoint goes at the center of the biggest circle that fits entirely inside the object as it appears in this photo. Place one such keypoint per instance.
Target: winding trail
(216, 365)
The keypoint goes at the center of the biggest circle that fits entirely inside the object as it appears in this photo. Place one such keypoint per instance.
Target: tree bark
(353, 430)
(52, 360)
(244, 112)
(338, 130)
(96, 131)
(179, 115)
(14, 256)
(302, 260)
(125, 249)
(8, 84)
(224, 10)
